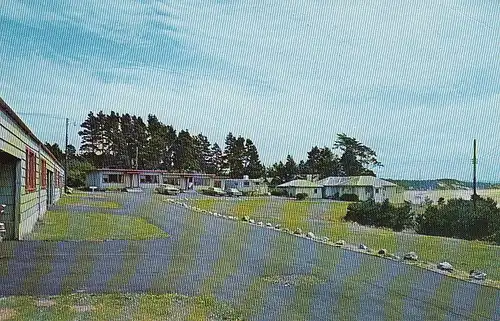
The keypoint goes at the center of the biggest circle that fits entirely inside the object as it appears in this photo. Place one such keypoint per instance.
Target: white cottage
(312, 189)
(365, 187)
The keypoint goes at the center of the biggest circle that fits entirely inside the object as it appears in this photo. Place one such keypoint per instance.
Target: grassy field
(64, 225)
(107, 307)
(279, 254)
(325, 219)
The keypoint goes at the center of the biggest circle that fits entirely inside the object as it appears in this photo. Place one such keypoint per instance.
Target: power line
(48, 116)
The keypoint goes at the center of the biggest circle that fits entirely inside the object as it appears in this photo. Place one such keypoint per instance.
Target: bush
(460, 219)
(279, 192)
(301, 196)
(349, 198)
(396, 217)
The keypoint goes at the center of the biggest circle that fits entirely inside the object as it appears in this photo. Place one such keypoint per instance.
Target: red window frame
(56, 177)
(30, 175)
(43, 174)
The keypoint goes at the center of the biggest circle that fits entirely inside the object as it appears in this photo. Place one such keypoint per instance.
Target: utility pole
(137, 157)
(474, 178)
(66, 159)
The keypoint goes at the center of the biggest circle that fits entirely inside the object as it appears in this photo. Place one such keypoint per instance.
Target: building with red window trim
(30, 176)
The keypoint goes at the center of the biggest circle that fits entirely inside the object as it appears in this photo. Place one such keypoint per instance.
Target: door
(134, 180)
(8, 190)
(50, 187)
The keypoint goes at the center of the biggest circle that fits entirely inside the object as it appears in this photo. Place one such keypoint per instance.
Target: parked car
(213, 191)
(234, 192)
(167, 189)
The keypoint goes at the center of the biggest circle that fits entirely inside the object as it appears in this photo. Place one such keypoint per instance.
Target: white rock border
(433, 267)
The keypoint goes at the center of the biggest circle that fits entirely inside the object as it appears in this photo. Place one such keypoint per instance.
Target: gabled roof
(355, 181)
(300, 183)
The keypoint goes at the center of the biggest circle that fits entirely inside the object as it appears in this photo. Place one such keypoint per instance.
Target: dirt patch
(293, 279)
(7, 314)
(45, 303)
(83, 308)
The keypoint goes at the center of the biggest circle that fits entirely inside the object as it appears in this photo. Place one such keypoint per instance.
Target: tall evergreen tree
(251, 162)
(116, 141)
(215, 164)
(159, 140)
(183, 153)
(202, 152)
(356, 157)
(94, 143)
(323, 162)
(281, 173)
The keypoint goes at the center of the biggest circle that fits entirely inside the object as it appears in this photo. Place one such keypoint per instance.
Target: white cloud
(415, 81)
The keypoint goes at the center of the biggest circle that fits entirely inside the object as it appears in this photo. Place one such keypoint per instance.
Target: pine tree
(356, 157)
(215, 163)
(323, 162)
(251, 162)
(203, 152)
(183, 153)
(94, 143)
(159, 140)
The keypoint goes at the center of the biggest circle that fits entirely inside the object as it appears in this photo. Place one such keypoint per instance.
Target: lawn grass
(64, 225)
(118, 306)
(85, 200)
(248, 207)
(325, 219)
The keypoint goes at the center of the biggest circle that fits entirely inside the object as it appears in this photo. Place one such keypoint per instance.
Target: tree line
(356, 159)
(127, 141)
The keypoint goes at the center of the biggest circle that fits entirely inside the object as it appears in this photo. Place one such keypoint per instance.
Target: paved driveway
(276, 275)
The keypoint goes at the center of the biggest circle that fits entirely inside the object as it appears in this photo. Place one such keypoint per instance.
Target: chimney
(245, 176)
(309, 177)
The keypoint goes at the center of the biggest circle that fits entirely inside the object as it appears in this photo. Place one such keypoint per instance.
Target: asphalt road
(188, 260)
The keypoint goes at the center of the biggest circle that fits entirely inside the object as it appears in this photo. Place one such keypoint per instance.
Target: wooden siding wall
(31, 205)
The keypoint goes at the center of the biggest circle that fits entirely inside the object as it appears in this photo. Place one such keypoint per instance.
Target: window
(43, 174)
(315, 191)
(198, 181)
(172, 181)
(30, 176)
(367, 190)
(112, 178)
(58, 179)
(149, 179)
(376, 190)
(246, 183)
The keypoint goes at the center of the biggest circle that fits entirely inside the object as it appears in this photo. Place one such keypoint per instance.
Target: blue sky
(414, 80)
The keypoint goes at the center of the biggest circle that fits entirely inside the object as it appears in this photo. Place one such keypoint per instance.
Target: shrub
(459, 218)
(301, 196)
(279, 192)
(349, 198)
(396, 217)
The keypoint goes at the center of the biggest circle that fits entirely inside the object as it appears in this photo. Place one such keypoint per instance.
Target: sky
(416, 81)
